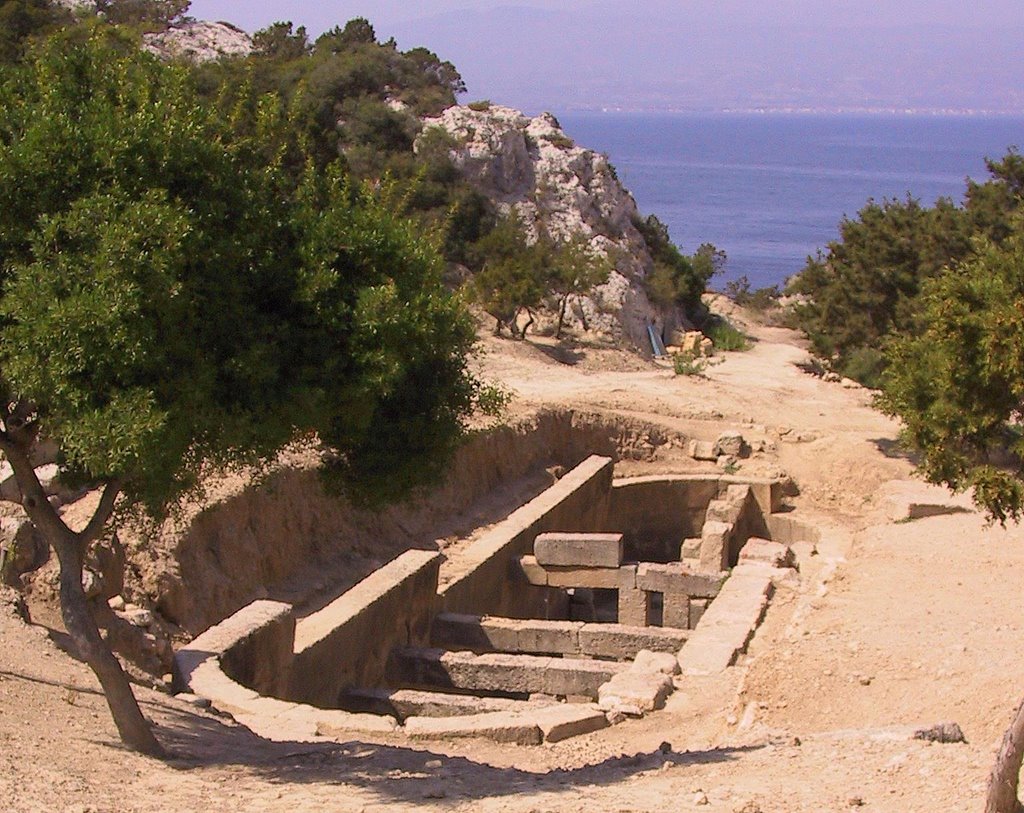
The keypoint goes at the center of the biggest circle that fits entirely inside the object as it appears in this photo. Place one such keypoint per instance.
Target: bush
(481, 106)
(725, 336)
(688, 364)
(758, 300)
(865, 365)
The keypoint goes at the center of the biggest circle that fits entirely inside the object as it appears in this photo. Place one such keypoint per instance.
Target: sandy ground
(894, 626)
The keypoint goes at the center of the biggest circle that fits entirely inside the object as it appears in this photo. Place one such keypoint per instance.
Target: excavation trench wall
(284, 531)
(315, 659)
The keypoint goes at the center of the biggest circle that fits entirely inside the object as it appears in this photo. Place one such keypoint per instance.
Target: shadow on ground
(397, 773)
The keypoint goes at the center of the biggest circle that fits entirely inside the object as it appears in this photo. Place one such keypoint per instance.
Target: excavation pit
(504, 648)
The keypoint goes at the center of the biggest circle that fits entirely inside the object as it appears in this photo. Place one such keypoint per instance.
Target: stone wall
(347, 643)
(655, 513)
(490, 583)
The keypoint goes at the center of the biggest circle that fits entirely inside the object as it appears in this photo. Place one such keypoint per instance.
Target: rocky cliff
(200, 41)
(532, 166)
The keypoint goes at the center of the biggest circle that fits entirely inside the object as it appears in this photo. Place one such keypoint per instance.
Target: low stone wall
(253, 647)
(490, 584)
(347, 643)
(657, 512)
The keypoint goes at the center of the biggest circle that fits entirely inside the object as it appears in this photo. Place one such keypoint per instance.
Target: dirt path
(894, 626)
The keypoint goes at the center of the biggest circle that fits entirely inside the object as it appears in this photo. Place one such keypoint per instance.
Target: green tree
(152, 14)
(175, 297)
(21, 20)
(281, 41)
(677, 280)
(511, 275)
(571, 269)
(867, 284)
(958, 386)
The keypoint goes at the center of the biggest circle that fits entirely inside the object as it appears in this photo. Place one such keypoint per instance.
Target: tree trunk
(134, 729)
(70, 547)
(529, 321)
(582, 313)
(1002, 782)
(561, 316)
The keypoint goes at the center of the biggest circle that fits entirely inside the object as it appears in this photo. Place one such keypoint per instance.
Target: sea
(770, 189)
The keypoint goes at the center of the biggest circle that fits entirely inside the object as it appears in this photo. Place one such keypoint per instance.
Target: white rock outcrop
(199, 41)
(532, 166)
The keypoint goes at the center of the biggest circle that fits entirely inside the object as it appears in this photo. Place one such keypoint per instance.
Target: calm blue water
(771, 189)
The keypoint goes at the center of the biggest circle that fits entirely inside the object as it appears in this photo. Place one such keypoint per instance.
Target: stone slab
(606, 578)
(624, 642)
(527, 567)
(499, 726)
(646, 691)
(578, 550)
(470, 632)
(665, 663)
(774, 554)
(512, 635)
(729, 622)
(677, 577)
(559, 722)
(496, 672)
(404, 703)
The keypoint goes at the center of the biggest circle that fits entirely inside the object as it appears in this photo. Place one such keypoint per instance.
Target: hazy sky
(321, 15)
(924, 55)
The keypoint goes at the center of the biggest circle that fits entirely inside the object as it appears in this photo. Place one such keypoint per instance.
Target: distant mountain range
(655, 55)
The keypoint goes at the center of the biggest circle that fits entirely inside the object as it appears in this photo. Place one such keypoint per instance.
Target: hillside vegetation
(347, 98)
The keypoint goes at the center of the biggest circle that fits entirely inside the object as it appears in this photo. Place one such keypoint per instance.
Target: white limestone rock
(199, 41)
(530, 165)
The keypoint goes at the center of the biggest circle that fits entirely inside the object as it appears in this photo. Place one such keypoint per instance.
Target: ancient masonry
(587, 606)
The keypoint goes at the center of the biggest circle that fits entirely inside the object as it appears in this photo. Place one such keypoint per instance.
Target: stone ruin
(587, 606)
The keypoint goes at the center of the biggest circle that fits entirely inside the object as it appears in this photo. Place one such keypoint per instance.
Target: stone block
(722, 511)
(690, 549)
(678, 578)
(337, 723)
(549, 637)
(714, 546)
(664, 663)
(731, 443)
(405, 703)
(527, 566)
(567, 677)
(499, 726)
(496, 672)
(645, 691)
(634, 607)
(578, 550)
(774, 554)
(592, 577)
(675, 611)
(623, 642)
(702, 450)
(559, 722)
(477, 634)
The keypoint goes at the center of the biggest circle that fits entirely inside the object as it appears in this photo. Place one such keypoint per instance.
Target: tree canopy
(183, 289)
(867, 285)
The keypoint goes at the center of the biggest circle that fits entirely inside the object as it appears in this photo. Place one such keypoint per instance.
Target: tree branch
(104, 510)
(33, 496)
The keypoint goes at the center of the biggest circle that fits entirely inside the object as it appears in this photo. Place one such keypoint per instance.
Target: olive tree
(958, 386)
(176, 296)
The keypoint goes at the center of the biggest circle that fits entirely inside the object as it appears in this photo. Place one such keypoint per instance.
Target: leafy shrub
(865, 365)
(481, 106)
(725, 335)
(758, 300)
(563, 142)
(688, 364)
